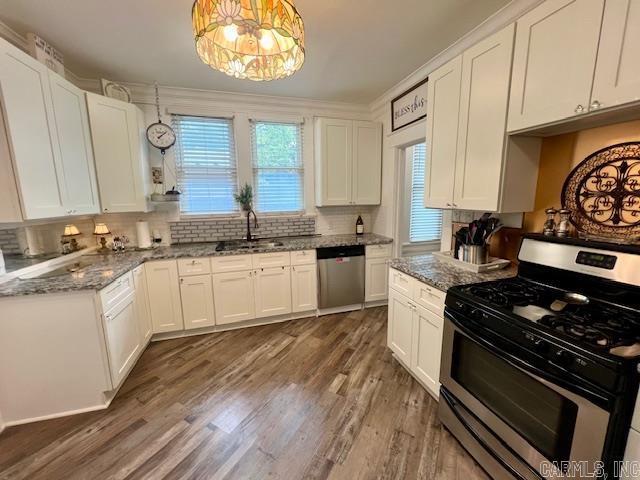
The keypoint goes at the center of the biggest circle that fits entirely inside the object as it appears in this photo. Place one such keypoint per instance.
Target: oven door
(530, 415)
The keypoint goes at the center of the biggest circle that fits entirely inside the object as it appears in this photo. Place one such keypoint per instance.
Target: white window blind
(278, 170)
(205, 164)
(425, 223)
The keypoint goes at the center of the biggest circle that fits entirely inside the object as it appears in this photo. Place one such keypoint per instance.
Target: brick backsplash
(192, 231)
(9, 241)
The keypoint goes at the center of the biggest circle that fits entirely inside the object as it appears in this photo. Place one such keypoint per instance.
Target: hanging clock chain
(158, 102)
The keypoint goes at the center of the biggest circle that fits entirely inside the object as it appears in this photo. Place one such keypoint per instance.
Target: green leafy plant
(245, 197)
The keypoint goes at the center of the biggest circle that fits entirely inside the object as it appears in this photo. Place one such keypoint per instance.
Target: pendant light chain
(157, 101)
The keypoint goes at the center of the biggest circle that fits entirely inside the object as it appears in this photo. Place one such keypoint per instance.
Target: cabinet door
(617, 78)
(164, 296)
(367, 163)
(273, 291)
(74, 139)
(443, 106)
(400, 327)
(123, 339)
(486, 71)
(142, 304)
(427, 348)
(304, 288)
(28, 114)
(234, 297)
(117, 150)
(376, 286)
(334, 154)
(554, 61)
(197, 301)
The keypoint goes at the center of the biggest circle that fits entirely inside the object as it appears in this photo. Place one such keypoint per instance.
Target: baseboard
(158, 337)
(55, 415)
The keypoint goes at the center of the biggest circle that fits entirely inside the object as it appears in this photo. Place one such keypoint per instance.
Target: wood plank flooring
(319, 398)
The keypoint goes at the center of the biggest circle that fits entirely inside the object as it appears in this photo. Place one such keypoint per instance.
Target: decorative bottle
(359, 226)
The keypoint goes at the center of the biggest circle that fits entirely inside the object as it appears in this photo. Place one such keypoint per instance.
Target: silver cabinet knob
(595, 105)
(579, 109)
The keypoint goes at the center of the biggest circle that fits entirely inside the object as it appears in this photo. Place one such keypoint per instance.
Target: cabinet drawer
(233, 263)
(428, 297)
(401, 282)
(114, 293)
(303, 257)
(378, 251)
(194, 266)
(268, 260)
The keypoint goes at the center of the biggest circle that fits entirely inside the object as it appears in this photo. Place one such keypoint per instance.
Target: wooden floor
(310, 399)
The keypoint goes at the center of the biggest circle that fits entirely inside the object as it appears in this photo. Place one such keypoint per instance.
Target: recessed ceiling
(356, 50)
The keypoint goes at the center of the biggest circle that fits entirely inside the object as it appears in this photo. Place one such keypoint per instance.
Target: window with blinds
(205, 164)
(425, 224)
(278, 170)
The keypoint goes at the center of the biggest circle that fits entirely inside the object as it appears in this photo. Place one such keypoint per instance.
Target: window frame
(186, 215)
(300, 169)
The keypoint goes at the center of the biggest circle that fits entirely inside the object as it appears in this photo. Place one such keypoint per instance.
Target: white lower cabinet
(273, 291)
(304, 288)
(414, 333)
(142, 304)
(400, 327)
(164, 296)
(234, 297)
(376, 280)
(123, 338)
(427, 348)
(196, 293)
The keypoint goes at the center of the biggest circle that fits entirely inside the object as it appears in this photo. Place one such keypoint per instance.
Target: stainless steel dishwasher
(341, 276)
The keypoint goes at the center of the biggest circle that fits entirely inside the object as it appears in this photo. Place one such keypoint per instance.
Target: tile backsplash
(169, 226)
(192, 231)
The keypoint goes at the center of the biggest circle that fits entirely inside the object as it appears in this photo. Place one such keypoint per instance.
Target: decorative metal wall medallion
(603, 193)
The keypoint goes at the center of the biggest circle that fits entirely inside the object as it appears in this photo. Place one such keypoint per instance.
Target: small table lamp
(101, 230)
(71, 231)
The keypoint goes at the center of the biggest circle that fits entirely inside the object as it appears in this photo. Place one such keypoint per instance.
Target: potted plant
(245, 199)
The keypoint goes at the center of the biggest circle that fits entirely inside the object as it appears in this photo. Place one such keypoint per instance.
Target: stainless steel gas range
(539, 372)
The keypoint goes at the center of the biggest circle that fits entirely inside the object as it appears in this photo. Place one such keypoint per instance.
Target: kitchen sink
(244, 245)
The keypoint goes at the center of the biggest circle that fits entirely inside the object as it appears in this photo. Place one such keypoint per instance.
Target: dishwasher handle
(340, 252)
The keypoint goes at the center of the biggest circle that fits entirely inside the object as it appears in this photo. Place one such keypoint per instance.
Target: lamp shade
(101, 229)
(258, 40)
(71, 231)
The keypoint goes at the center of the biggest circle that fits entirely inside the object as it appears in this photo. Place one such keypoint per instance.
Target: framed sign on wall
(410, 107)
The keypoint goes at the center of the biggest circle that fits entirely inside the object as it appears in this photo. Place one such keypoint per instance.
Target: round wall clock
(161, 136)
(603, 193)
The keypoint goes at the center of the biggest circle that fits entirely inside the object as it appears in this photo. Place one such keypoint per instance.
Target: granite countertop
(441, 275)
(104, 269)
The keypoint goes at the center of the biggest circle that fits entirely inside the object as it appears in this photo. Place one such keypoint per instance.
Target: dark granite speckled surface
(443, 276)
(108, 268)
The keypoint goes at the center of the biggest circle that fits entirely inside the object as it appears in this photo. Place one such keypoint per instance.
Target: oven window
(543, 417)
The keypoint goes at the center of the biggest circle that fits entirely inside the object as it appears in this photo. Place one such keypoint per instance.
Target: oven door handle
(444, 395)
(517, 362)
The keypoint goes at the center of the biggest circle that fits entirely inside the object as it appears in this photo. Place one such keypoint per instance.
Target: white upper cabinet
(554, 61)
(348, 158)
(47, 129)
(367, 163)
(617, 78)
(484, 98)
(471, 163)
(121, 154)
(76, 152)
(443, 106)
(28, 112)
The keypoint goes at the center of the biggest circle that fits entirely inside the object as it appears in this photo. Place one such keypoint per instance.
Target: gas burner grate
(508, 294)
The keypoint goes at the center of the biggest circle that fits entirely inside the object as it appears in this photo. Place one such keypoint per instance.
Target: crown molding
(503, 17)
(188, 97)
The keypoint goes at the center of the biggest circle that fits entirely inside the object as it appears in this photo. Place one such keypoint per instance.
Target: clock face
(161, 136)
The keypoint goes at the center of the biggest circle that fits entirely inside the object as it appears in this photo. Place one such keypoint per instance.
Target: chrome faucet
(255, 224)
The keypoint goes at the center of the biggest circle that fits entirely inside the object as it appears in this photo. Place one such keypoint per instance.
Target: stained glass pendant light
(258, 40)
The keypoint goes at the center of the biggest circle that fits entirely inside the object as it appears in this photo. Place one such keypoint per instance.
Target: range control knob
(564, 358)
(540, 346)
